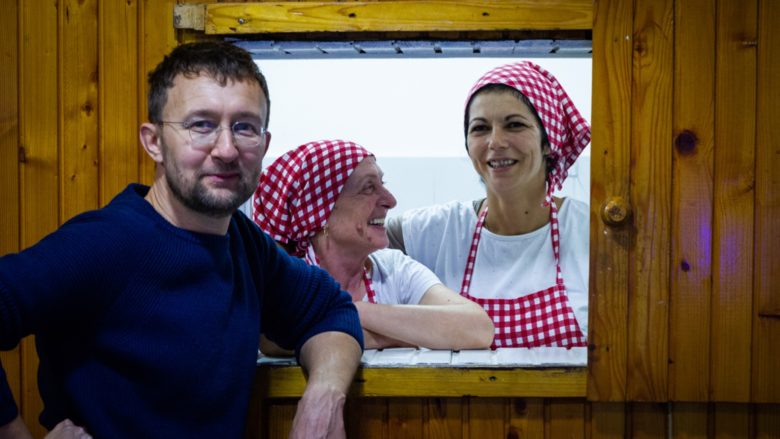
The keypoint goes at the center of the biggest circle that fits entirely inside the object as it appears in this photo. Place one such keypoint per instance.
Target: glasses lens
(245, 136)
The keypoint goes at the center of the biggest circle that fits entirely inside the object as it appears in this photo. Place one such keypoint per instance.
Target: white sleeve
(399, 279)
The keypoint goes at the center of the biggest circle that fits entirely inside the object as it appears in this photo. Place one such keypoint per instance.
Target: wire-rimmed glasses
(204, 133)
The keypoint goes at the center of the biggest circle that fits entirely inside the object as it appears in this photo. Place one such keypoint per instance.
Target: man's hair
(218, 60)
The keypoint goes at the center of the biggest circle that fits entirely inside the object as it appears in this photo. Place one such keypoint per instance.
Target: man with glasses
(147, 312)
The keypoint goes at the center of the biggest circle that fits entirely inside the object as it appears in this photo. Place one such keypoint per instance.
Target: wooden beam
(289, 382)
(386, 16)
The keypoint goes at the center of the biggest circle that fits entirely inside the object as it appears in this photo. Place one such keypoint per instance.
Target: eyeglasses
(204, 133)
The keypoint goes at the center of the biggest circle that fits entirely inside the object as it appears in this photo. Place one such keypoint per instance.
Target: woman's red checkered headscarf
(298, 190)
(567, 131)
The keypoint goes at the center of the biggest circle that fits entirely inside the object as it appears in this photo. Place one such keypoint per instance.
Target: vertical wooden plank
(9, 163)
(366, 418)
(690, 420)
(767, 421)
(608, 420)
(78, 107)
(526, 418)
(405, 418)
(281, 413)
(444, 418)
(487, 417)
(731, 421)
(691, 261)
(608, 298)
(39, 182)
(158, 38)
(648, 421)
(766, 315)
(9, 130)
(735, 118)
(566, 419)
(118, 107)
(651, 134)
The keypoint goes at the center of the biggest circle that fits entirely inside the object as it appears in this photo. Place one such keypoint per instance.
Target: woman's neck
(345, 269)
(516, 214)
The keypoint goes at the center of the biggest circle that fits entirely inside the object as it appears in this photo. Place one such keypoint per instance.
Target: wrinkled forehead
(367, 169)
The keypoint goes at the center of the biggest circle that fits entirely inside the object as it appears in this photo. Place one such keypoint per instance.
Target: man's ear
(151, 141)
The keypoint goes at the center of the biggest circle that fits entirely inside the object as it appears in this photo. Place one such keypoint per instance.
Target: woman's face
(504, 143)
(357, 222)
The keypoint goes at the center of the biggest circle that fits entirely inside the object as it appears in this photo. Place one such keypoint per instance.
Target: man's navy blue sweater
(147, 330)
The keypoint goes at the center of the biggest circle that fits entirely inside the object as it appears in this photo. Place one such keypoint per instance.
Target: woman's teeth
(501, 163)
(376, 222)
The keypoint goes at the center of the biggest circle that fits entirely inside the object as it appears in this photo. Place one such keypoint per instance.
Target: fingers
(68, 430)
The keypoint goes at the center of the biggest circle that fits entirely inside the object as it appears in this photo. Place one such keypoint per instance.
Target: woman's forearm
(451, 326)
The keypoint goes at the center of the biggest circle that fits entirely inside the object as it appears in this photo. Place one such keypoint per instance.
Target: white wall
(408, 112)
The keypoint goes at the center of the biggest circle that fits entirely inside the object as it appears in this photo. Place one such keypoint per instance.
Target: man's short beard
(200, 200)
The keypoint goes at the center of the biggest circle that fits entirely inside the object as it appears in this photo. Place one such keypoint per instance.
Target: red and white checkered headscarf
(567, 131)
(298, 190)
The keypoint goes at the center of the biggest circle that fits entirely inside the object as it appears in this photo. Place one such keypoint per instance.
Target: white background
(408, 112)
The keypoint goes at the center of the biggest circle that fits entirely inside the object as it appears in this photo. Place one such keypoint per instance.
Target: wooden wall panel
(565, 418)
(9, 162)
(651, 133)
(609, 246)
(444, 418)
(767, 422)
(732, 269)
(487, 417)
(119, 144)
(283, 415)
(731, 421)
(607, 420)
(691, 259)
(405, 418)
(526, 418)
(366, 418)
(39, 177)
(690, 421)
(157, 38)
(766, 304)
(647, 421)
(78, 77)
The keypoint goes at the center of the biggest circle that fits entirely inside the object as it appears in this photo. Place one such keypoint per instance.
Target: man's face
(217, 177)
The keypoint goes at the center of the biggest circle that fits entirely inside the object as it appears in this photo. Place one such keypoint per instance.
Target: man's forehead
(188, 89)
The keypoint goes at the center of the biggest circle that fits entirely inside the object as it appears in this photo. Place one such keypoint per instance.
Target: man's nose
(225, 147)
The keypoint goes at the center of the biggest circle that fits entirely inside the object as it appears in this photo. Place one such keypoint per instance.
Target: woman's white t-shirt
(398, 279)
(506, 267)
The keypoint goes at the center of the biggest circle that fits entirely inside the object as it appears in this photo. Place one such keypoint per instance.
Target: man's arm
(330, 360)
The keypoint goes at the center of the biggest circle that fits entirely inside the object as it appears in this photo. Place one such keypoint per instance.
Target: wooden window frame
(478, 20)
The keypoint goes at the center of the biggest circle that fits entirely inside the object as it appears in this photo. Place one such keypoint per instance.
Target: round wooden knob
(615, 211)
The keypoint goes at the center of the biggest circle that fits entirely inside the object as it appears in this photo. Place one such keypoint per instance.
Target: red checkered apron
(543, 318)
(312, 259)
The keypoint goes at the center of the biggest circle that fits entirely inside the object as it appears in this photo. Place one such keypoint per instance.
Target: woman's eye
(516, 125)
(478, 128)
(203, 126)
